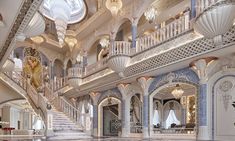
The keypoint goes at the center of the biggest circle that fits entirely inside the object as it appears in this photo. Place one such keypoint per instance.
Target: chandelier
(150, 14)
(177, 92)
(63, 12)
(114, 6)
(104, 42)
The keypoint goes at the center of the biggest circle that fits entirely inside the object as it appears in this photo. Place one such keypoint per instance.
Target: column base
(145, 132)
(203, 133)
(125, 133)
(49, 133)
(95, 132)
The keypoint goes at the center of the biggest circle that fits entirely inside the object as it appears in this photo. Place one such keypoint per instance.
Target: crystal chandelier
(63, 12)
(177, 92)
(150, 14)
(104, 42)
(114, 6)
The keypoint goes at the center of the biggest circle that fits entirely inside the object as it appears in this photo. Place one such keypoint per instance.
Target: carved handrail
(120, 48)
(96, 66)
(204, 4)
(59, 83)
(75, 72)
(171, 30)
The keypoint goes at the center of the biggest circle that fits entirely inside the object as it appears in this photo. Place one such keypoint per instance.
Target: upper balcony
(170, 43)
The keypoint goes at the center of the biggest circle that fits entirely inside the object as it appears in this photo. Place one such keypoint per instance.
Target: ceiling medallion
(150, 14)
(177, 92)
(114, 6)
(63, 12)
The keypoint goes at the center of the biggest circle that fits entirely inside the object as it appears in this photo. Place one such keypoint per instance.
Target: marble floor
(94, 139)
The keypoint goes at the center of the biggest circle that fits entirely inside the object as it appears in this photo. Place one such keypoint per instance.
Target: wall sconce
(1, 21)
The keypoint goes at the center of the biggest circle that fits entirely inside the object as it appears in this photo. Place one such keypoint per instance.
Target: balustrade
(171, 30)
(59, 82)
(75, 72)
(101, 64)
(204, 4)
(120, 48)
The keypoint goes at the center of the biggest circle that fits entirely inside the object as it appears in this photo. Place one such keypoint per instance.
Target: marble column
(145, 83)
(203, 68)
(134, 32)
(193, 9)
(95, 97)
(125, 89)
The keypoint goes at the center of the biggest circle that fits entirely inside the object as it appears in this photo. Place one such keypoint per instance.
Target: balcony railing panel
(101, 64)
(171, 30)
(204, 4)
(120, 48)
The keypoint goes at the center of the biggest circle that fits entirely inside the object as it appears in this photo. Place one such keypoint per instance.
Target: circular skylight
(77, 10)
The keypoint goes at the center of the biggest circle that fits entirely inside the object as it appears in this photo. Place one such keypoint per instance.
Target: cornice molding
(25, 15)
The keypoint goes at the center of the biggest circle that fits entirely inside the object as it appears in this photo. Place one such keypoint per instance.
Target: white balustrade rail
(171, 30)
(39, 101)
(204, 4)
(120, 48)
(101, 64)
(59, 82)
(75, 72)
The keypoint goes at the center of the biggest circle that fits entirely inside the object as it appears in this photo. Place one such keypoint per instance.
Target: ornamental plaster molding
(145, 83)
(25, 15)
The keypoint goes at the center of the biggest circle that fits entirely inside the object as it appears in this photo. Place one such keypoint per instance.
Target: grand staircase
(65, 121)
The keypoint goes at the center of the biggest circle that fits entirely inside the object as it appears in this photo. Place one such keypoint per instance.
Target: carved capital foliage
(145, 83)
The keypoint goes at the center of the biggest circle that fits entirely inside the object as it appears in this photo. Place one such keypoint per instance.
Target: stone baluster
(145, 83)
(203, 67)
(124, 89)
(95, 98)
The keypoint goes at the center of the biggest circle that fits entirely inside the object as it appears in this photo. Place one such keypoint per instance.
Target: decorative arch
(110, 93)
(183, 76)
(212, 83)
(118, 24)
(92, 40)
(105, 102)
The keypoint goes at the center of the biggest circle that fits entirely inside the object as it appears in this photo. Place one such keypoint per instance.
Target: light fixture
(114, 6)
(150, 14)
(1, 21)
(63, 12)
(37, 39)
(177, 92)
(71, 41)
(104, 42)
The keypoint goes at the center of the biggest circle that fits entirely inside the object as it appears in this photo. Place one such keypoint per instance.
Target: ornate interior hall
(113, 70)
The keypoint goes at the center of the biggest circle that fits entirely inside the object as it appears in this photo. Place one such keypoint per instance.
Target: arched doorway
(223, 105)
(171, 114)
(109, 115)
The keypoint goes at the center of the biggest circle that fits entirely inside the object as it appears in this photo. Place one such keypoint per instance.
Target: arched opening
(174, 112)
(136, 114)
(69, 65)
(124, 32)
(109, 115)
(58, 74)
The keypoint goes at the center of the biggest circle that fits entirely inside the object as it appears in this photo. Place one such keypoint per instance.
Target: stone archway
(106, 102)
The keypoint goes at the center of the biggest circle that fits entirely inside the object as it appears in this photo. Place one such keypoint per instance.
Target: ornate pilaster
(145, 83)
(203, 68)
(124, 89)
(95, 98)
(134, 31)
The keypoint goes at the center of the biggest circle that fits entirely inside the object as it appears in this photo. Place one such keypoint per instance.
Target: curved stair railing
(39, 100)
